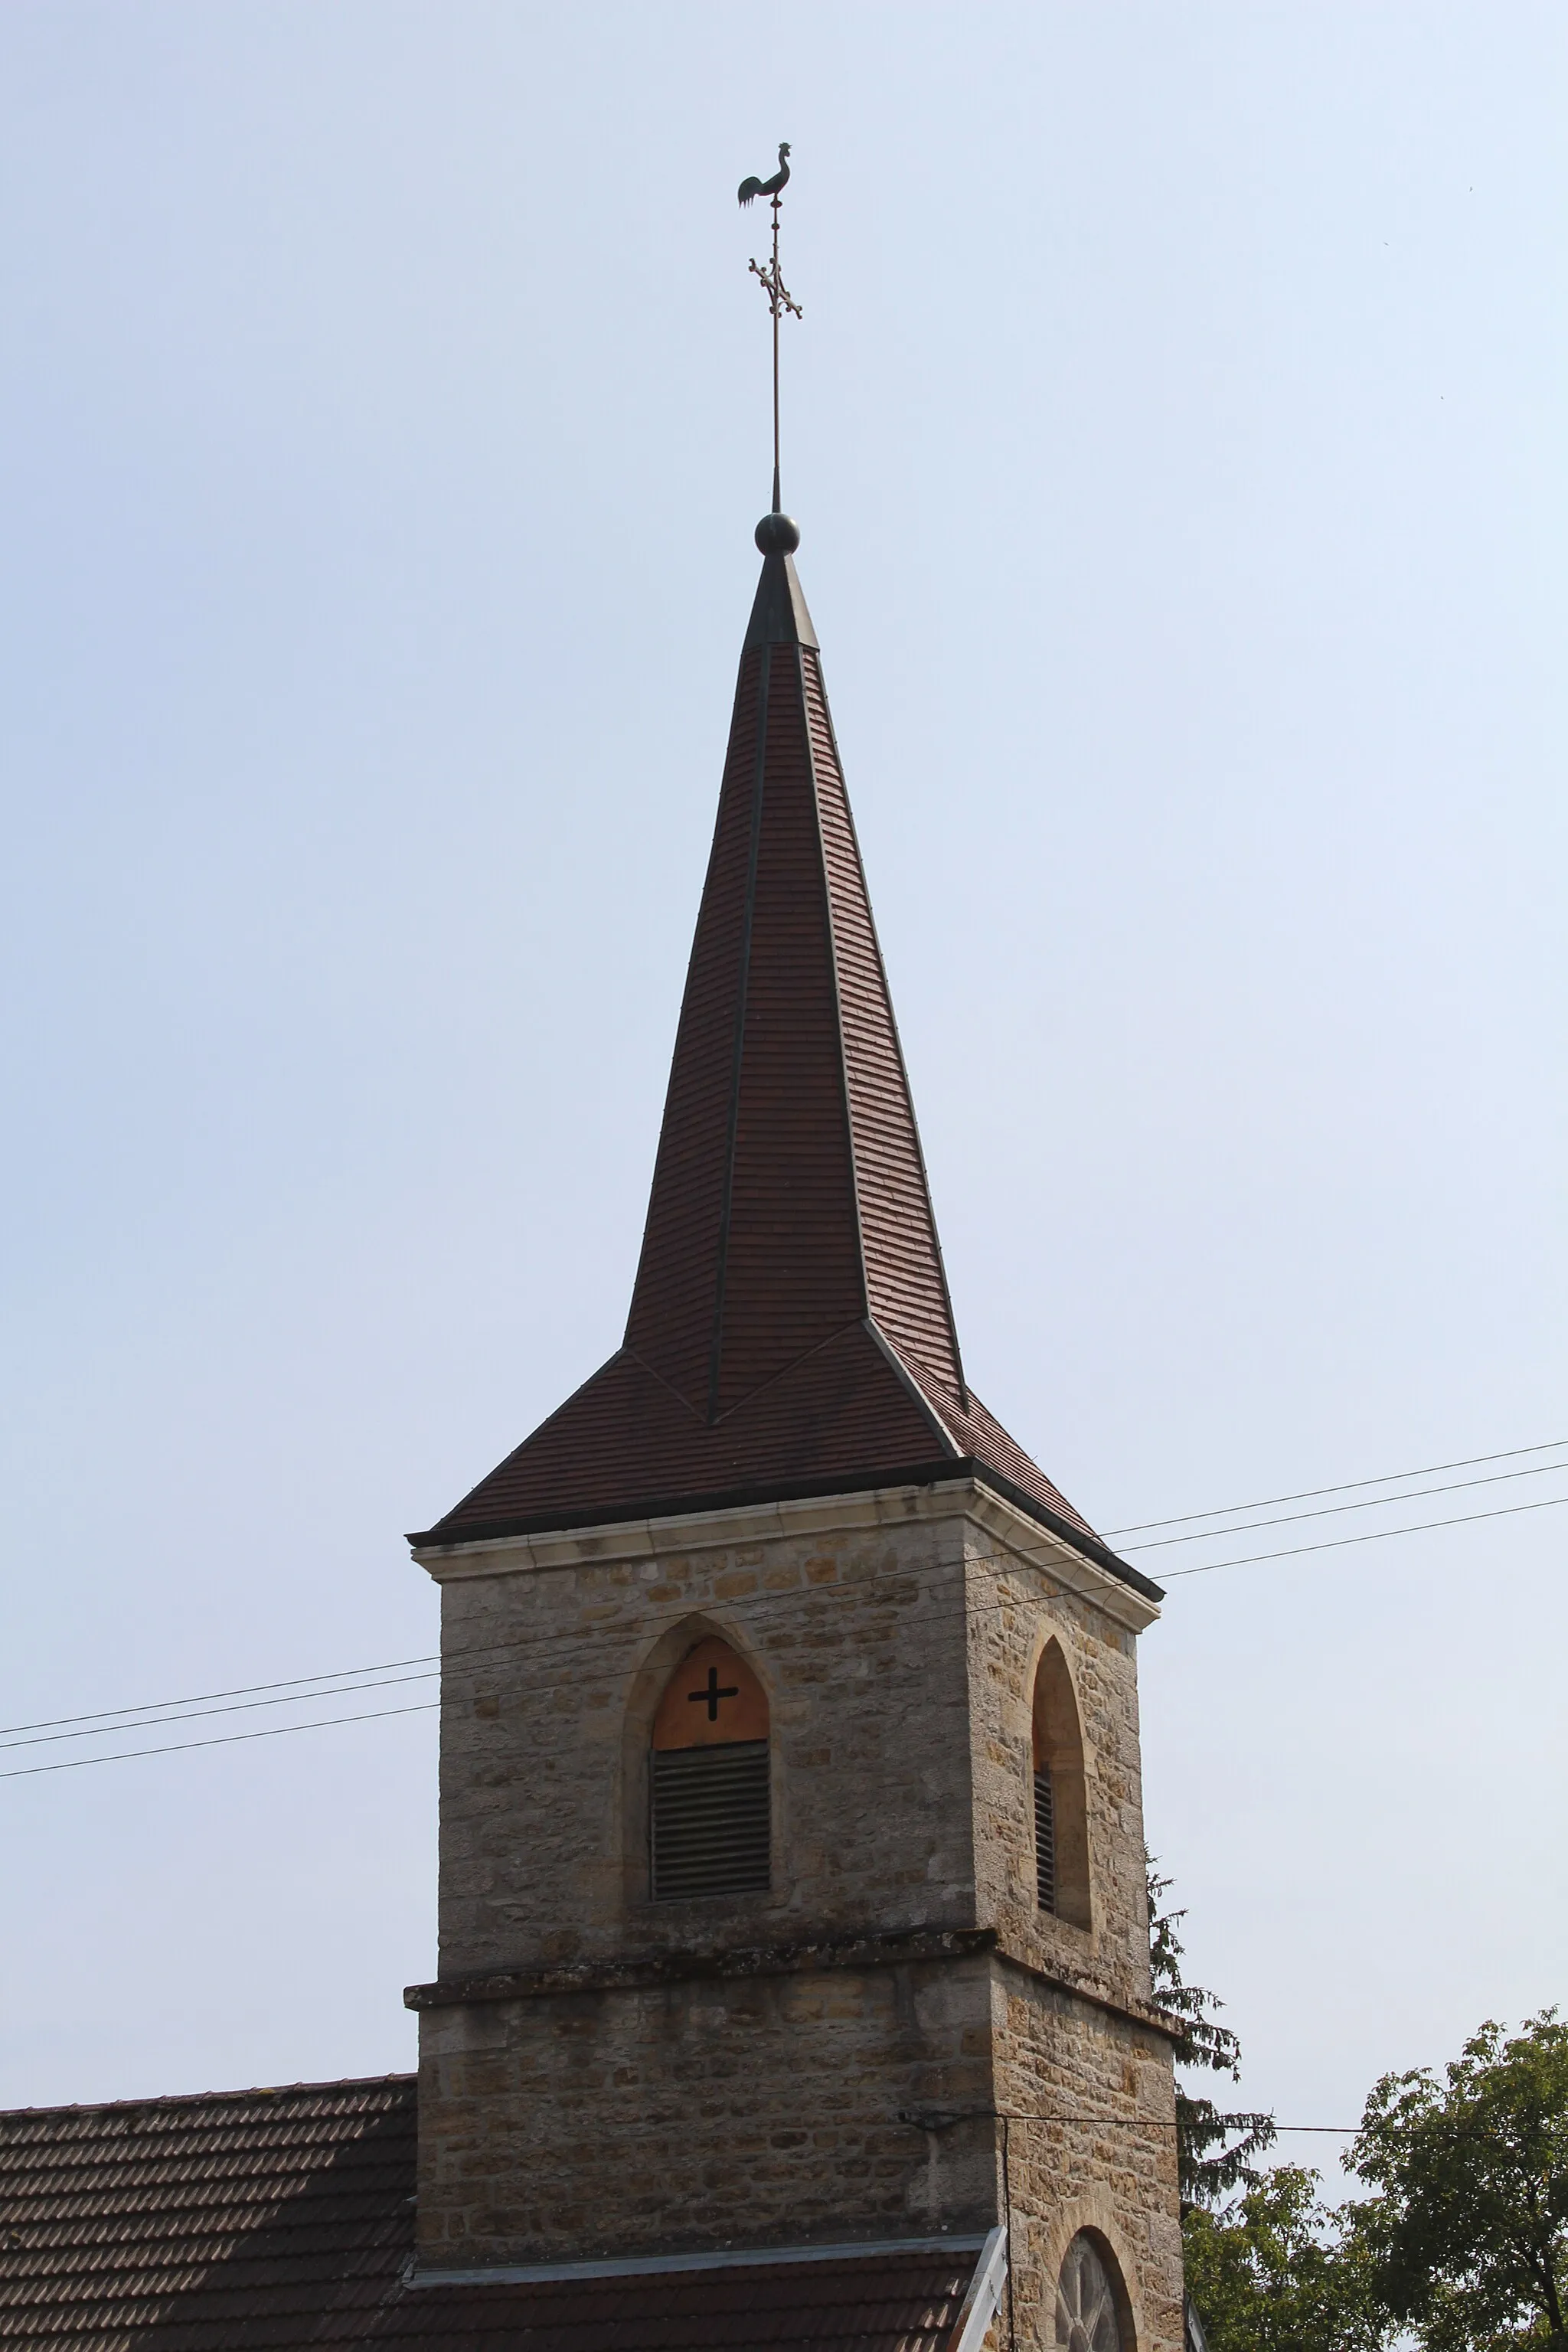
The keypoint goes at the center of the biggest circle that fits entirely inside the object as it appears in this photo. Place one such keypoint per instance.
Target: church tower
(791, 1882)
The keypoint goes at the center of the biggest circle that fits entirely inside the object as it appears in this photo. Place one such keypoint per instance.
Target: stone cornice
(967, 1498)
(637, 1970)
(641, 1971)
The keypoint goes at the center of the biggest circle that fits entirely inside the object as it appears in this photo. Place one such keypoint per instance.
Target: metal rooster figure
(780, 299)
(773, 187)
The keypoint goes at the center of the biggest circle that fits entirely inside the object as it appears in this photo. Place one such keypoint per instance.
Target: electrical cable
(353, 1674)
(194, 1714)
(1334, 1510)
(1378, 1534)
(1097, 2123)
(351, 1677)
(996, 1563)
(222, 1739)
(493, 1651)
(350, 1680)
(999, 1563)
(1310, 1494)
(243, 1690)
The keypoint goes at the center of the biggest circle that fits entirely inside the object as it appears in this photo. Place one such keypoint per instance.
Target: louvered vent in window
(709, 1825)
(1045, 1841)
(1061, 1812)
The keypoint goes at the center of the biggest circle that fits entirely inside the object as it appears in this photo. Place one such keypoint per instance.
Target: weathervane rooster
(780, 299)
(773, 187)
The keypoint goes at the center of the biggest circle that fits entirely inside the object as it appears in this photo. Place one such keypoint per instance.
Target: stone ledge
(642, 1970)
(678, 1967)
(1137, 2013)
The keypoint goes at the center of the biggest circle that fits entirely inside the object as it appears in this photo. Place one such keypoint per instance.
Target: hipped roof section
(790, 1328)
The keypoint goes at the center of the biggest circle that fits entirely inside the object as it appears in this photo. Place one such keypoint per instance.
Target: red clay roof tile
(271, 2220)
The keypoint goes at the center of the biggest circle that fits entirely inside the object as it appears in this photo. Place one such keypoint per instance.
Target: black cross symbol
(712, 1695)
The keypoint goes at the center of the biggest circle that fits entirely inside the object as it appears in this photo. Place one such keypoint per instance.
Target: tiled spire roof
(790, 1328)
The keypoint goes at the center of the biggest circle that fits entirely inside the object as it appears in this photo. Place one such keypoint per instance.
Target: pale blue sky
(1176, 432)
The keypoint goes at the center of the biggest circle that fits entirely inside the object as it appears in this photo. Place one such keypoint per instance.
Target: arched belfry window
(1061, 1815)
(709, 1825)
(1091, 2302)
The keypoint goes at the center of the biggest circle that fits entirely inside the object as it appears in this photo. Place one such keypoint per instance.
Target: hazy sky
(1176, 432)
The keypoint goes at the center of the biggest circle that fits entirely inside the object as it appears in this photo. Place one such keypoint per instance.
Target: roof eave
(444, 1538)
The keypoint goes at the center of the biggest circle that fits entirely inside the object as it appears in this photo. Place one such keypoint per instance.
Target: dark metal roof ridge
(898, 1048)
(912, 1388)
(737, 1042)
(798, 1490)
(779, 614)
(828, 914)
(1055, 1524)
(785, 1372)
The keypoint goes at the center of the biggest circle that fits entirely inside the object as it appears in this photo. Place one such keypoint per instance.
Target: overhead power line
(996, 1563)
(1310, 1494)
(220, 1739)
(495, 1650)
(242, 1690)
(943, 2119)
(348, 1681)
(1146, 2123)
(1333, 1510)
(191, 1713)
(1377, 1535)
(298, 1683)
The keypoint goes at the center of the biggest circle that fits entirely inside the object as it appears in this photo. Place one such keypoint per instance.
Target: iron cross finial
(780, 299)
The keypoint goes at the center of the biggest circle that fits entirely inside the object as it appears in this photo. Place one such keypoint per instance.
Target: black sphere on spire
(778, 534)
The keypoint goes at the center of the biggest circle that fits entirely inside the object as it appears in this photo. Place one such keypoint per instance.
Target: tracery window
(709, 1815)
(1060, 1800)
(1090, 2300)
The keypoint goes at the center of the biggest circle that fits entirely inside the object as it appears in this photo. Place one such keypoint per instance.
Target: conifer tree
(1214, 2150)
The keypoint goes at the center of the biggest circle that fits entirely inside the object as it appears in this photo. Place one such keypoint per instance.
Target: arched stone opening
(710, 1814)
(1060, 1807)
(1093, 2311)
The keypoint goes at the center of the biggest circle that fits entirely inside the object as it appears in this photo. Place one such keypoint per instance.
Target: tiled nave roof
(273, 2221)
(221, 2223)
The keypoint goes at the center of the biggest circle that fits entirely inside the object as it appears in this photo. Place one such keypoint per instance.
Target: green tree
(1274, 2272)
(1212, 2160)
(1468, 2233)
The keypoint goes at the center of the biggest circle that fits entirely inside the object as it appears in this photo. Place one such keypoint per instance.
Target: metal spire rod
(779, 296)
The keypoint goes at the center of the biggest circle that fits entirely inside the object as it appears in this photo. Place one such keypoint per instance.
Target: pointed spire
(789, 1197)
(790, 1329)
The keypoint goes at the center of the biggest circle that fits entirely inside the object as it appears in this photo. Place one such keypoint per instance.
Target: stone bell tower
(792, 1892)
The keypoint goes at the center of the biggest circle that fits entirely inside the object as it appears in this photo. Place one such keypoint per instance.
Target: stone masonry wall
(1092, 2147)
(1016, 1606)
(641, 2076)
(702, 2114)
(549, 1682)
